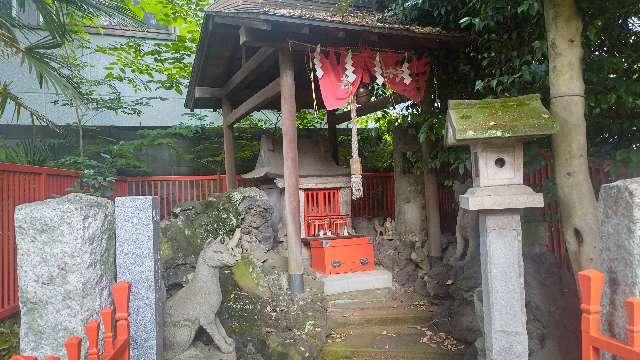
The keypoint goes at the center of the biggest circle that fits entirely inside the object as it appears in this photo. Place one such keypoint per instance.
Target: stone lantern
(495, 129)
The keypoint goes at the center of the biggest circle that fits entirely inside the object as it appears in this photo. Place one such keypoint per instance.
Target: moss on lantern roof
(522, 116)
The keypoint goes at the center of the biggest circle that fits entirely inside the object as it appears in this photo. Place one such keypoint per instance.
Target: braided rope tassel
(356, 166)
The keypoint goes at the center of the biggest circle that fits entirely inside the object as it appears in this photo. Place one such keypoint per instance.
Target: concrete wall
(25, 85)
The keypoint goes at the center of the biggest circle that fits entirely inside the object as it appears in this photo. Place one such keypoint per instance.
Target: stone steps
(385, 342)
(380, 325)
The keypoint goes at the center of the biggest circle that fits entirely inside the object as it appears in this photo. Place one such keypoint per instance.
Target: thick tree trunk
(432, 205)
(578, 207)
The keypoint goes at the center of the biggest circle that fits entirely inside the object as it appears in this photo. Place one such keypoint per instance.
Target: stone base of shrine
(364, 280)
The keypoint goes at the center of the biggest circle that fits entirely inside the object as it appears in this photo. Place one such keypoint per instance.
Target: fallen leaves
(336, 337)
(441, 340)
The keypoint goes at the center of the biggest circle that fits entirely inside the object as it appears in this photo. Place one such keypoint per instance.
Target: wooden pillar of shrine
(229, 146)
(291, 171)
(332, 134)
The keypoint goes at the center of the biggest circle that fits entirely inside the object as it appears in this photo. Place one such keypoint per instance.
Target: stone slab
(619, 205)
(138, 261)
(505, 318)
(66, 266)
(501, 197)
(364, 280)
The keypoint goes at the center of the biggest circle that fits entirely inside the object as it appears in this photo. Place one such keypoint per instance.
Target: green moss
(507, 117)
(336, 351)
(279, 351)
(185, 235)
(247, 277)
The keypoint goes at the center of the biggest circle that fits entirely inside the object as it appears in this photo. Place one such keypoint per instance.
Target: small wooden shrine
(288, 55)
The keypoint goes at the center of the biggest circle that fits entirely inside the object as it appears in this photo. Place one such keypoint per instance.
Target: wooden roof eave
(447, 40)
(263, 24)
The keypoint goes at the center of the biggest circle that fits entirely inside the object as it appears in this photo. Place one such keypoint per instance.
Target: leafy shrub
(9, 339)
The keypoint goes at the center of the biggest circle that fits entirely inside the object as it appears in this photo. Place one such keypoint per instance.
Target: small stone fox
(197, 303)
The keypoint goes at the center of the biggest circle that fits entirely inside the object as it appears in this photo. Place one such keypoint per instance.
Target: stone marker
(620, 261)
(66, 267)
(495, 130)
(138, 261)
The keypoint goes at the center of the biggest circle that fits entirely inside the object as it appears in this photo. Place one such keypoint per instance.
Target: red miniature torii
(116, 346)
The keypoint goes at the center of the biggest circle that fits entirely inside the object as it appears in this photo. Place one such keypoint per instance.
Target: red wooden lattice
(593, 342)
(116, 343)
(319, 206)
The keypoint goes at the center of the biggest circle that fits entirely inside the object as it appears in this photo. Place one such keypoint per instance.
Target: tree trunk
(578, 207)
(431, 200)
(80, 133)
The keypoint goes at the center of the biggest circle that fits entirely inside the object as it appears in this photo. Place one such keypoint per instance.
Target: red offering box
(339, 255)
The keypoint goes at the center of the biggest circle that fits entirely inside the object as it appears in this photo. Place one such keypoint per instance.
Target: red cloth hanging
(336, 91)
(394, 74)
(409, 81)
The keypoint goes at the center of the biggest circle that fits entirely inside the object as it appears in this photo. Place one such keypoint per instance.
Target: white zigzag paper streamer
(349, 75)
(317, 63)
(406, 76)
(378, 70)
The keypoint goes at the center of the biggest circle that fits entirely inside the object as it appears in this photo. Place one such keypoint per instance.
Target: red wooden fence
(115, 343)
(593, 341)
(171, 191)
(21, 184)
(378, 199)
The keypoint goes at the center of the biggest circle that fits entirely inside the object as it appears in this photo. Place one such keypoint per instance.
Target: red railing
(115, 343)
(593, 341)
(20, 184)
(172, 191)
(378, 199)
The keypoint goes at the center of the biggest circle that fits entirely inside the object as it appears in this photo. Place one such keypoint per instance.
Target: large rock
(620, 232)
(192, 225)
(66, 266)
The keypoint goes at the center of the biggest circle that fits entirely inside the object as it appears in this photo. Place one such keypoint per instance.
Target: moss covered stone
(522, 116)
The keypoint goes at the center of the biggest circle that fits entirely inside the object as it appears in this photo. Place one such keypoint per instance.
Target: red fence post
(632, 307)
(591, 285)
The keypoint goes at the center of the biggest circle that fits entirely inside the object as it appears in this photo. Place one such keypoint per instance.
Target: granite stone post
(619, 204)
(66, 266)
(138, 261)
(505, 318)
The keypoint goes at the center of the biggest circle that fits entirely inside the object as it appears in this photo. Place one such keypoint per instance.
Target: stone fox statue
(197, 303)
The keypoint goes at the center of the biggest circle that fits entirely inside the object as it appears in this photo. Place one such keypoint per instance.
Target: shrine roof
(473, 120)
(314, 159)
(358, 14)
(233, 31)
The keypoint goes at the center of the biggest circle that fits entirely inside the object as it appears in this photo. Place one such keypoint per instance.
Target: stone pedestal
(66, 267)
(503, 298)
(620, 232)
(138, 261)
(505, 319)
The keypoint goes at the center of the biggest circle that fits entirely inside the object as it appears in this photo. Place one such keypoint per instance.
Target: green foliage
(9, 339)
(26, 152)
(148, 66)
(507, 56)
(375, 141)
(97, 177)
(62, 21)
